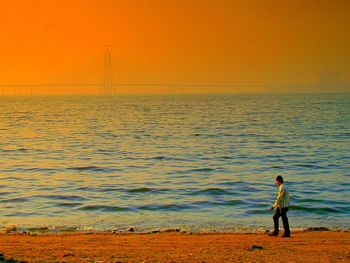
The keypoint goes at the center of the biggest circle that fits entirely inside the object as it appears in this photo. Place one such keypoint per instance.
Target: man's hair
(279, 178)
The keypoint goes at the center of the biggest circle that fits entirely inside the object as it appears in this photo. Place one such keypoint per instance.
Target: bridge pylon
(108, 83)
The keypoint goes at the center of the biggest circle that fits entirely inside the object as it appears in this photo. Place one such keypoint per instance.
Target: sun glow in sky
(175, 41)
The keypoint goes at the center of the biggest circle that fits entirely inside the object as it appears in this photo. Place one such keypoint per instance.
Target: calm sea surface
(190, 161)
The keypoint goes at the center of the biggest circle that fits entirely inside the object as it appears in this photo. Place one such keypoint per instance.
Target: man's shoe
(286, 235)
(273, 234)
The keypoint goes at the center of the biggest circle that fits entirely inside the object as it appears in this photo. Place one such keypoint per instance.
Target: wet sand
(177, 247)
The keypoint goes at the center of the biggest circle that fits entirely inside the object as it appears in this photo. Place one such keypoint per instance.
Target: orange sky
(196, 41)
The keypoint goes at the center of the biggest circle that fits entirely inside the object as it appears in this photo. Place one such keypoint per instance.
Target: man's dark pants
(281, 213)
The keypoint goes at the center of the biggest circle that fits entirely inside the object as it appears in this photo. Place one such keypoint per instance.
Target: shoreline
(52, 229)
(176, 246)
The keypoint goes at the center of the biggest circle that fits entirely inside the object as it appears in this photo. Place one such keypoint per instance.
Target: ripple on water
(319, 210)
(166, 207)
(62, 197)
(92, 169)
(211, 191)
(68, 204)
(105, 208)
(16, 200)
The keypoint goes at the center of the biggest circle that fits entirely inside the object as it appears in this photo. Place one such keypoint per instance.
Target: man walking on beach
(281, 205)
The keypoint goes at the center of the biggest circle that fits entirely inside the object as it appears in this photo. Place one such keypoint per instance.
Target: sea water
(188, 161)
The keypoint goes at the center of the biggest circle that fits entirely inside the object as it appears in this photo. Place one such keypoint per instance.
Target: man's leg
(285, 222)
(276, 218)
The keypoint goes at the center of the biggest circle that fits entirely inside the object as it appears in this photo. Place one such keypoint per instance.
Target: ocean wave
(318, 210)
(62, 197)
(93, 168)
(166, 207)
(137, 190)
(232, 203)
(306, 165)
(198, 170)
(21, 214)
(105, 208)
(143, 190)
(16, 200)
(15, 150)
(257, 211)
(211, 191)
(68, 204)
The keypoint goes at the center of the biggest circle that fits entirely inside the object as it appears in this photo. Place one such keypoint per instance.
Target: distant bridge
(107, 89)
(137, 85)
(108, 84)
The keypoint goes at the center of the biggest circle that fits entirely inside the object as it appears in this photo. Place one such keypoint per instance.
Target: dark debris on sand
(321, 228)
(4, 260)
(255, 247)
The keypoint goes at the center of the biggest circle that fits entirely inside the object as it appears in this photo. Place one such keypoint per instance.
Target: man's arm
(279, 197)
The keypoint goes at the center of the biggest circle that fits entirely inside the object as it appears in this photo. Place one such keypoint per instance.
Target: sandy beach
(314, 246)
